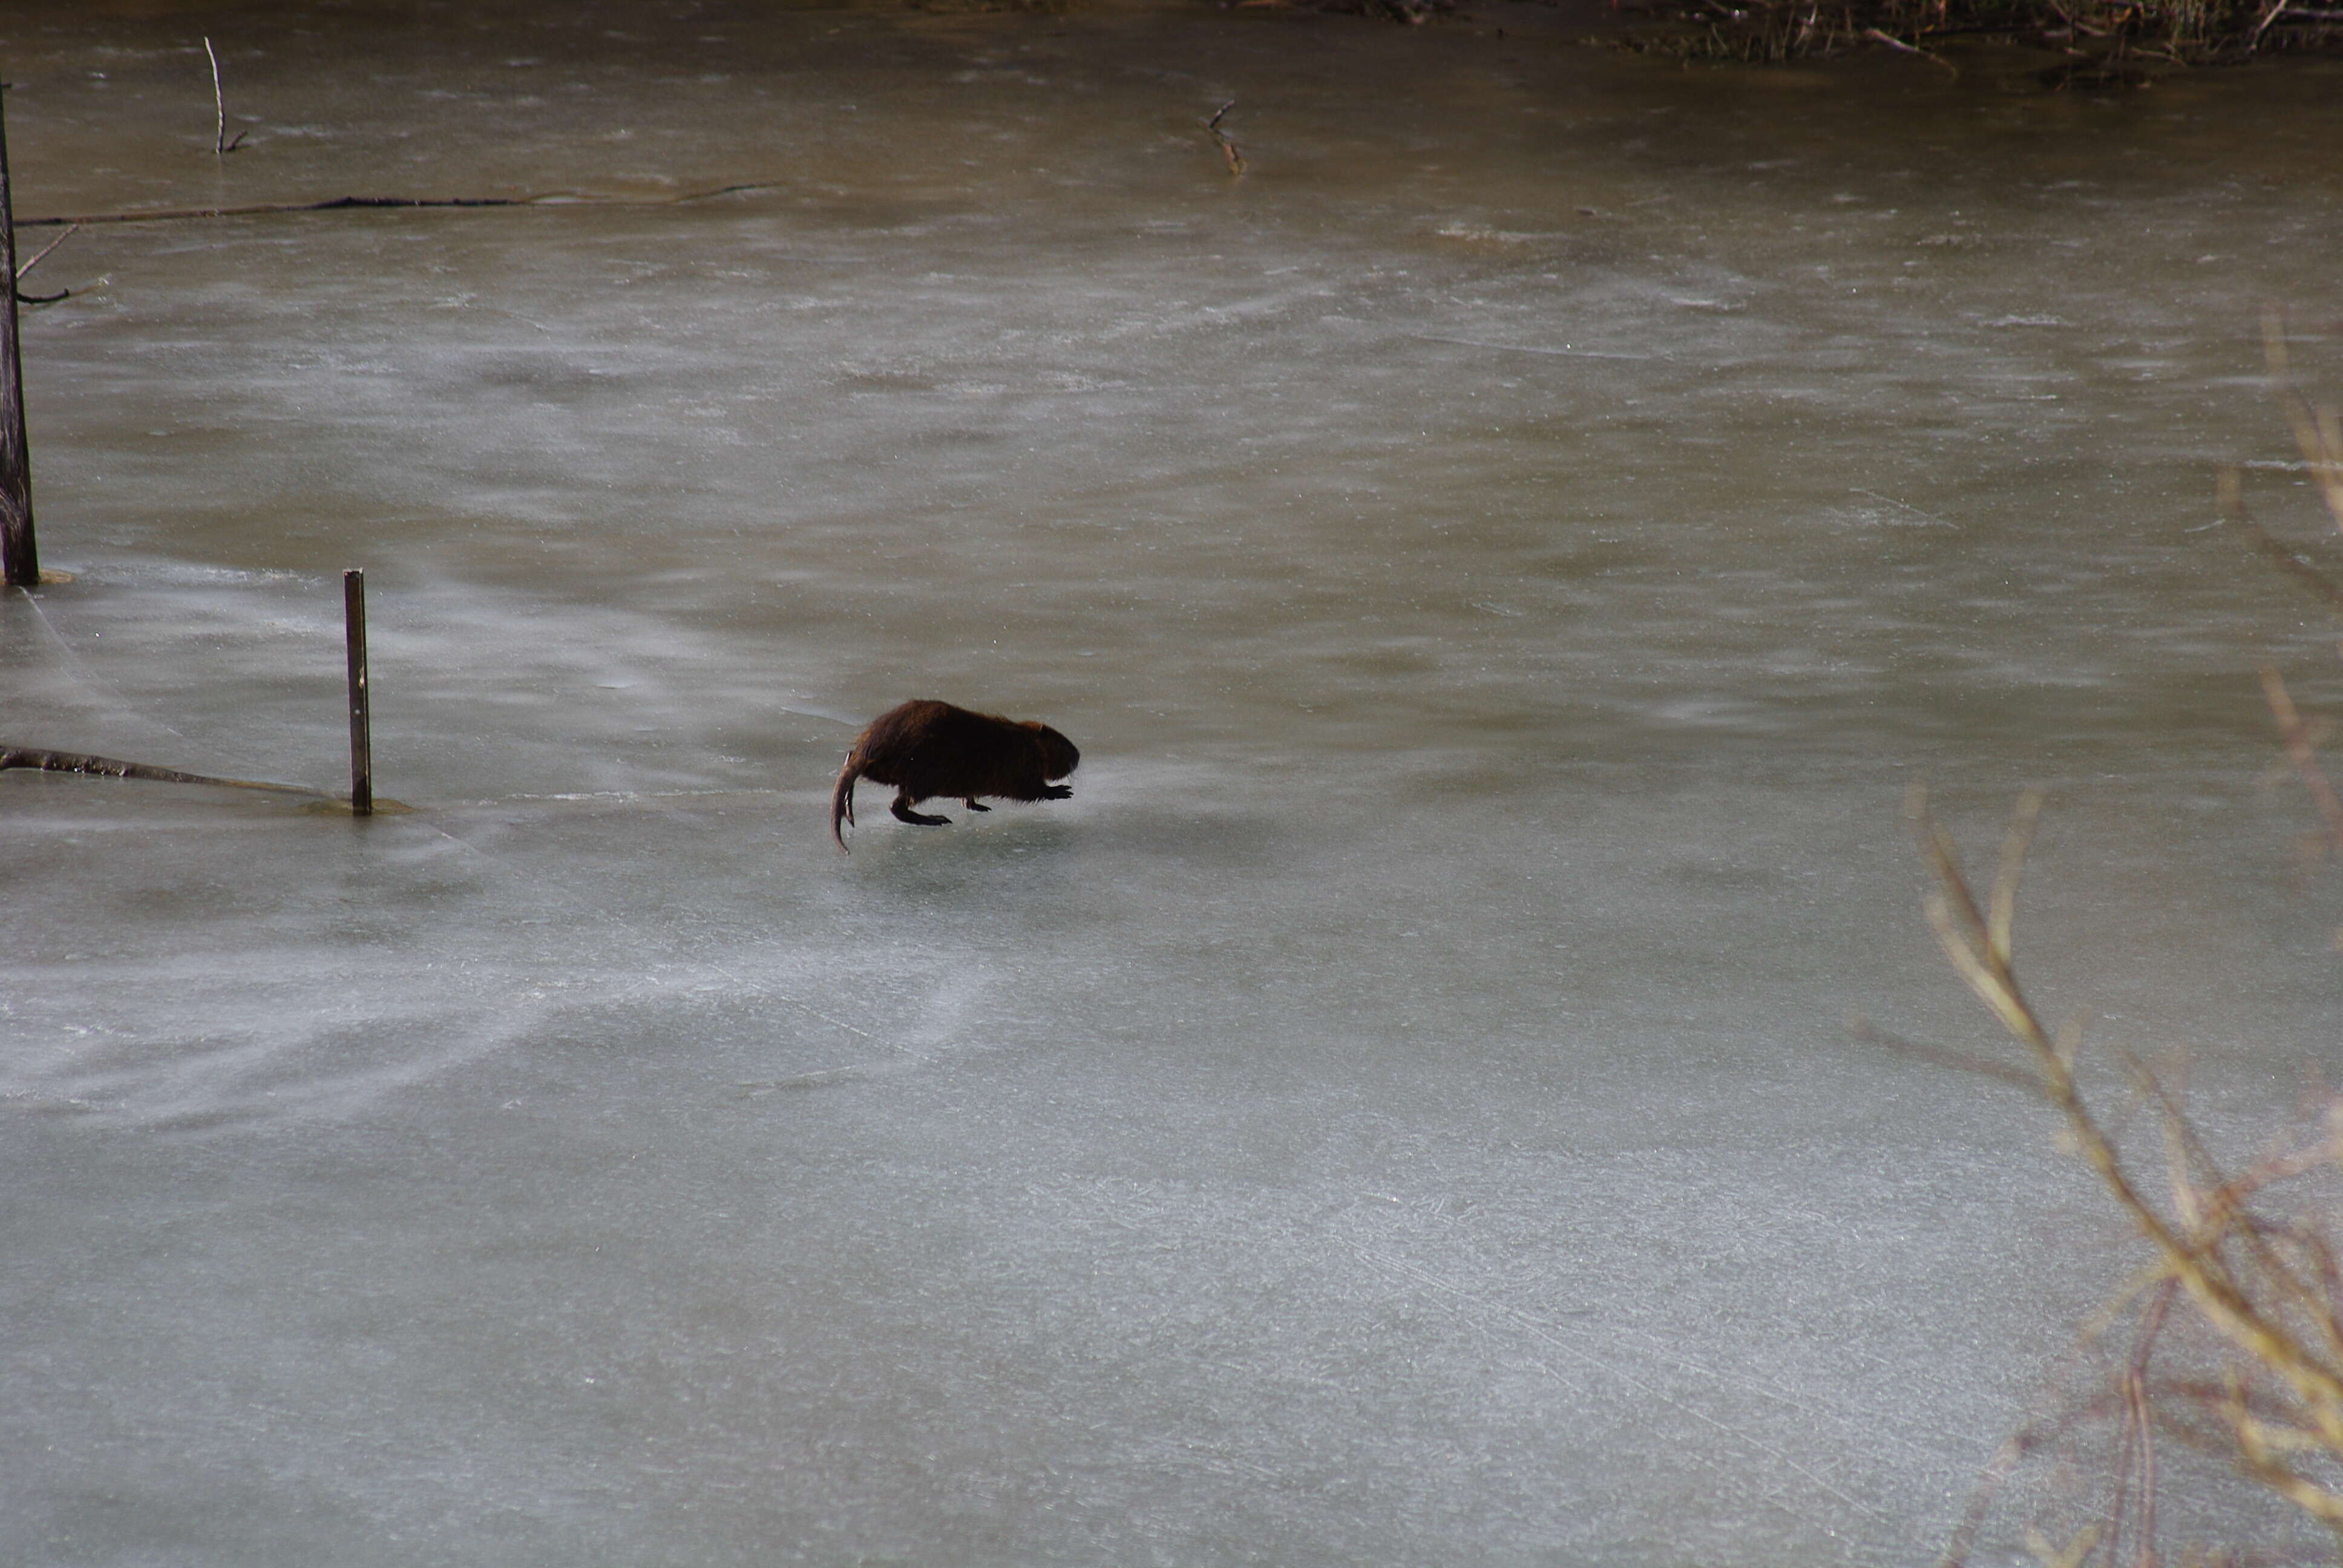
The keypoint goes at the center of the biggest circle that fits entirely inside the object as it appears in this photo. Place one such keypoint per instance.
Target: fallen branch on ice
(338, 204)
(82, 762)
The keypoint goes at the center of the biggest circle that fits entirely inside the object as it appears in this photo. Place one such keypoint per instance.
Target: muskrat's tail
(841, 799)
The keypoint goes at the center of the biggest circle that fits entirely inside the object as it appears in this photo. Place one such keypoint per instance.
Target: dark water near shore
(1502, 559)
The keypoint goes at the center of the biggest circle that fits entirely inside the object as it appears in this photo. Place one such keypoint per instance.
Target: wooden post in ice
(361, 720)
(20, 562)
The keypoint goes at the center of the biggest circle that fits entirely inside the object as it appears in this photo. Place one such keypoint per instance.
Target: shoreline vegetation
(2085, 44)
(2094, 44)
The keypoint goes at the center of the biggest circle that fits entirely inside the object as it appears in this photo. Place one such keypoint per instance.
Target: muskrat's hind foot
(903, 812)
(973, 806)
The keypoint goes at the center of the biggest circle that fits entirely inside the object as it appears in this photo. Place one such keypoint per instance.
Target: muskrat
(928, 748)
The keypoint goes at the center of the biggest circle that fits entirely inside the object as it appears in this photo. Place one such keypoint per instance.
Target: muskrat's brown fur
(931, 749)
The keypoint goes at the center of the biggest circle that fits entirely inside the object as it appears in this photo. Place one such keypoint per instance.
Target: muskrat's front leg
(970, 803)
(903, 812)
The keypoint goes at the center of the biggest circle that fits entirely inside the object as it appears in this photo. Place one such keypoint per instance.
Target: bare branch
(2316, 431)
(2302, 754)
(2013, 863)
(221, 145)
(44, 251)
(1225, 141)
(1864, 1030)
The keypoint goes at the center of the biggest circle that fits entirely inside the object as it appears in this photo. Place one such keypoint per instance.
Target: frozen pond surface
(1502, 559)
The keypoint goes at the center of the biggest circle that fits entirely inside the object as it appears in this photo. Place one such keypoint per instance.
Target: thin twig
(1870, 1033)
(1227, 144)
(219, 105)
(221, 145)
(25, 299)
(2012, 865)
(2296, 565)
(2219, 1294)
(2313, 434)
(81, 762)
(41, 760)
(2301, 753)
(2004, 1464)
(2230, 490)
(1895, 43)
(44, 251)
(337, 204)
(2140, 1411)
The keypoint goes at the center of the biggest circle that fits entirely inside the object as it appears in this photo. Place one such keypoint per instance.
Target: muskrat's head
(1059, 757)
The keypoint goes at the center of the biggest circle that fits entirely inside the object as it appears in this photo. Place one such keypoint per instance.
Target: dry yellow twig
(2302, 754)
(2251, 1310)
(2318, 432)
(2230, 490)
